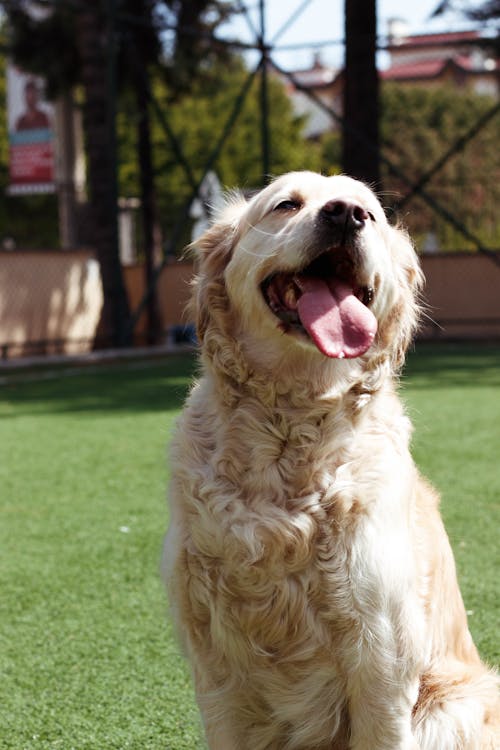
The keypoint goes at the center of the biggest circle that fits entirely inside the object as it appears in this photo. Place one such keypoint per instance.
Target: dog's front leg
(382, 692)
(218, 738)
(384, 650)
(219, 733)
(380, 716)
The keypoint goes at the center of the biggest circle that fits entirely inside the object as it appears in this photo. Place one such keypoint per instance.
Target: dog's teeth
(274, 301)
(341, 355)
(290, 297)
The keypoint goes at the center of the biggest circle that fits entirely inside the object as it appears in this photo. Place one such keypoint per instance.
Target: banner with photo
(31, 134)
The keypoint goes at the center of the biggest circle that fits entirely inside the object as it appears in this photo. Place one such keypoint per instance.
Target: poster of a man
(33, 117)
(31, 135)
(27, 107)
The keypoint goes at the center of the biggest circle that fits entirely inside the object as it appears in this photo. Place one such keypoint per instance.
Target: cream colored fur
(309, 573)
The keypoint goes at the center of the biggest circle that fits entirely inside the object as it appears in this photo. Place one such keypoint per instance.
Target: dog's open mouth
(326, 302)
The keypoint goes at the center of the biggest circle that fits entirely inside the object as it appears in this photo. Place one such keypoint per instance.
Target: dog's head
(308, 269)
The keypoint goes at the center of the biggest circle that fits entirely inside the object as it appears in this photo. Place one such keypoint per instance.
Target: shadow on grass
(161, 385)
(448, 365)
(138, 386)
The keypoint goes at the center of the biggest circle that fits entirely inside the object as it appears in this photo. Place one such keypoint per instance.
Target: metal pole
(264, 94)
(66, 155)
(361, 92)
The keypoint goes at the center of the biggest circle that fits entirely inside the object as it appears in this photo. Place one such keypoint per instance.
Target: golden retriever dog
(310, 576)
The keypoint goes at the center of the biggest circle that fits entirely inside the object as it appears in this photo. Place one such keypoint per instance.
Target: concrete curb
(59, 363)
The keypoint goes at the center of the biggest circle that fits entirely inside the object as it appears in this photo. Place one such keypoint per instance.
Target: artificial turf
(87, 657)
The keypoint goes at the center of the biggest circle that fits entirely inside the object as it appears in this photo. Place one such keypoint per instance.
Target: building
(462, 59)
(324, 83)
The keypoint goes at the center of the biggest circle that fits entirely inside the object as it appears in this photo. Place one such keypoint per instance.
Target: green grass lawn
(87, 658)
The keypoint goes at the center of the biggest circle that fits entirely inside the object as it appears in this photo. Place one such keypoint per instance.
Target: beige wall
(57, 295)
(172, 293)
(49, 296)
(462, 295)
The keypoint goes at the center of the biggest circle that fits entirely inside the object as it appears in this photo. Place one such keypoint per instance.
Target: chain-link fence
(439, 158)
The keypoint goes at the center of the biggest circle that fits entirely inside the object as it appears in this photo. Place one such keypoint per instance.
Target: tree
(418, 125)
(90, 43)
(96, 56)
(192, 48)
(486, 13)
(140, 53)
(360, 129)
(197, 121)
(139, 48)
(67, 48)
(488, 10)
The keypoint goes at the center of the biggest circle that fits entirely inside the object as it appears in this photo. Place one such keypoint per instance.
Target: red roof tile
(423, 69)
(452, 37)
(427, 68)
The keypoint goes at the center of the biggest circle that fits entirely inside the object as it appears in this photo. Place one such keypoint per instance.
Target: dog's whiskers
(250, 252)
(431, 320)
(260, 231)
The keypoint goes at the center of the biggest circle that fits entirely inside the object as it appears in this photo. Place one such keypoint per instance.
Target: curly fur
(309, 573)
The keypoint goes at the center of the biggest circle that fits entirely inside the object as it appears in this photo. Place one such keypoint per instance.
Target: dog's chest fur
(273, 505)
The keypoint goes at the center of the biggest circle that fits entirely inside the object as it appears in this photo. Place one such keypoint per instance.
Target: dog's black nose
(345, 214)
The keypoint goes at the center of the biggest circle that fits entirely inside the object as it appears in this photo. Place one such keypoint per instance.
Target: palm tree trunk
(96, 48)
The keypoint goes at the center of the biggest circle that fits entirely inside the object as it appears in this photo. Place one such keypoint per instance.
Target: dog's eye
(288, 205)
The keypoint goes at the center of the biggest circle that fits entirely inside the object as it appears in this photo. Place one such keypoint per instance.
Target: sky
(322, 21)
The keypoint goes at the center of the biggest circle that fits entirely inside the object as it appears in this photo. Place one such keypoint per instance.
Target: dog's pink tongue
(337, 321)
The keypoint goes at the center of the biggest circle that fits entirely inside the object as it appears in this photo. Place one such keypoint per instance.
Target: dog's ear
(405, 315)
(213, 250)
